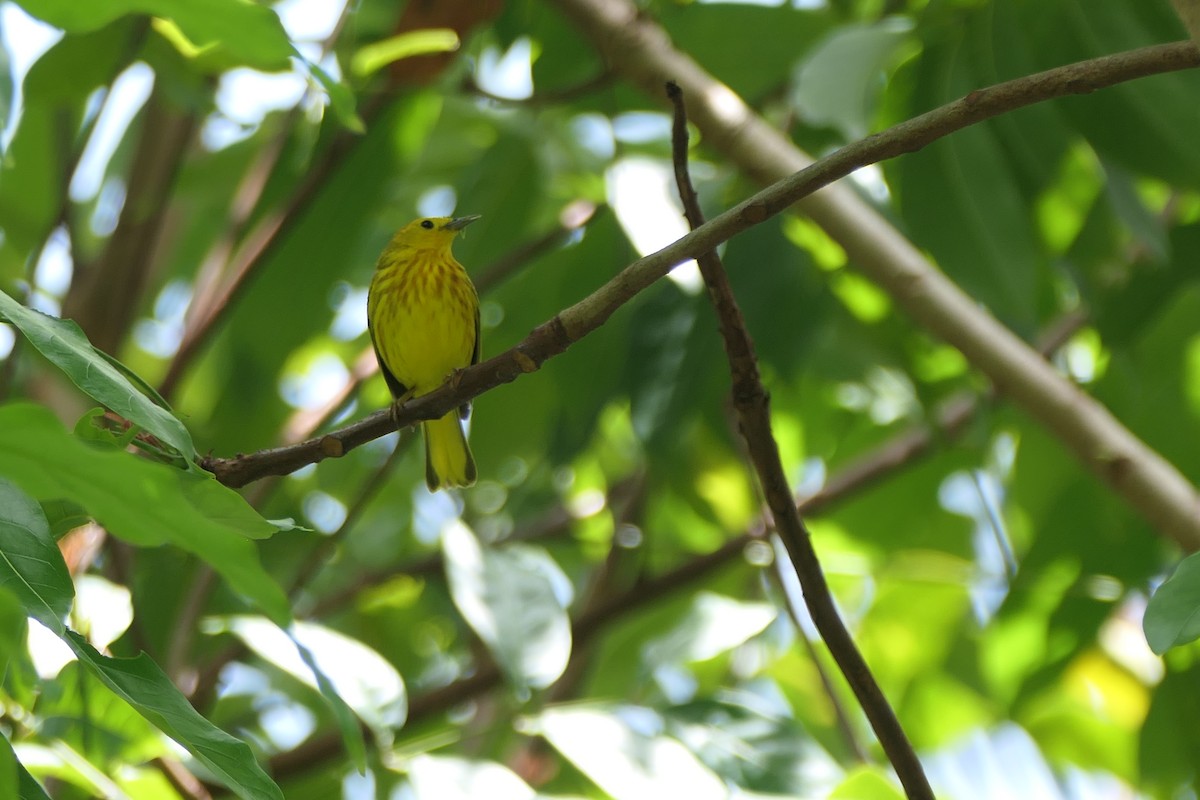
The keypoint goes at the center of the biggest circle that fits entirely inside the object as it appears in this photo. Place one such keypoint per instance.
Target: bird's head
(432, 233)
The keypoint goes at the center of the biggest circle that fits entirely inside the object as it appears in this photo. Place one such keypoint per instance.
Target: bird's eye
(427, 224)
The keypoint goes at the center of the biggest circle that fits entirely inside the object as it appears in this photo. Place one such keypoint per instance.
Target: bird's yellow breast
(422, 309)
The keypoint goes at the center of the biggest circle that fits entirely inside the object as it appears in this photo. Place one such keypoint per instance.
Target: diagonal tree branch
(642, 52)
(754, 418)
(1148, 482)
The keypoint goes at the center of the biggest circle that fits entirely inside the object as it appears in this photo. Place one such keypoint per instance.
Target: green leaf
(64, 516)
(1173, 613)
(31, 565)
(65, 345)
(143, 502)
(714, 625)
(508, 597)
(15, 780)
(350, 675)
(375, 56)
(982, 237)
(450, 778)
(611, 746)
(839, 81)
(13, 627)
(341, 97)
(142, 684)
(866, 783)
(250, 33)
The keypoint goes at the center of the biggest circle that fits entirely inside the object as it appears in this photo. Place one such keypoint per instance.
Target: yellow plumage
(423, 314)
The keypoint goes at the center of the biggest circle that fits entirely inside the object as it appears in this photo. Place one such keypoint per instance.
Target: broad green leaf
(838, 82)
(610, 745)
(1173, 614)
(249, 32)
(67, 347)
(1169, 742)
(714, 625)
(509, 596)
(142, 684)
(866, 783)
(143, 502)
(31, 566)
(983, 239)
(8, 766)
(451, 778)
(84, 715)
(64, 516)
(23, 786)
(349, 673)
(13, 627)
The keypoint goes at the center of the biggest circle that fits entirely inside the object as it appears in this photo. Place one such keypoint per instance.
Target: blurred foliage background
(204, 189)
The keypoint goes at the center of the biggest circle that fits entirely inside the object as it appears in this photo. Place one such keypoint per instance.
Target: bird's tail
(448, 460)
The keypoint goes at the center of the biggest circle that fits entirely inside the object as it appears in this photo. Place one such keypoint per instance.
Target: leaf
(839, 80)
(612, 747)
(65, 345)
(14, 628)
(142, 684)
(341, 97)
(508, 598)
(714, 625)
(31, 566)
(347, 672)
(250, 33)
(984, 240)
(1173, 614)
(143, 502)
(866, 783)
(449, 778)
(375, 56)
(15, 780)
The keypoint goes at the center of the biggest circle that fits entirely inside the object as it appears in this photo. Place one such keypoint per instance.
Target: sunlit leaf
(377, 55)
(508, 596)
(142, 684)
(622, 751)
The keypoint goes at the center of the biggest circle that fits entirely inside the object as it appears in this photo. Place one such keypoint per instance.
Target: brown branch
(1098, 440)
(107, 294)
(642, 52)
(256, 249)
(754, 416)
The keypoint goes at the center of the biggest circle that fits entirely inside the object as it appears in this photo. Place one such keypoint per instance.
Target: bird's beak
(458, 223)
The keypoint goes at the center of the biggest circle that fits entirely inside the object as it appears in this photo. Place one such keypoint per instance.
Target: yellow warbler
(423, 314)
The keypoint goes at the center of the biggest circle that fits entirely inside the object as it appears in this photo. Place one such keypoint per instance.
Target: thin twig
(753, 409)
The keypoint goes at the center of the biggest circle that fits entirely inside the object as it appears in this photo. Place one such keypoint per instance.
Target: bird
(423, 317)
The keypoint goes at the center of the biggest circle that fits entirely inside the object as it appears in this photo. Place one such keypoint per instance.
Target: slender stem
(753, 409)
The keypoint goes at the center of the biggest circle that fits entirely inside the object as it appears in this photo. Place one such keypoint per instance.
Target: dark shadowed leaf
(63, 343)
(143, 502)
(31, 567)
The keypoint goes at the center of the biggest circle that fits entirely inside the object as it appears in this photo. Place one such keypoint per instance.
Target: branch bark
(1148, 482)
(641, 52)
(754, 421)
